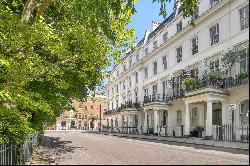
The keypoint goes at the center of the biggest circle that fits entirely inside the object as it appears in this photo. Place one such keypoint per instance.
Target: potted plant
(243, 76)
(188, 84)
(216, 76)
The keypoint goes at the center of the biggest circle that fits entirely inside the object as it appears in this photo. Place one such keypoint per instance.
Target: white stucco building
(146, 94)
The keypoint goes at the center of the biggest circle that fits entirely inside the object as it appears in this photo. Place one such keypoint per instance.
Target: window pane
(244, 112)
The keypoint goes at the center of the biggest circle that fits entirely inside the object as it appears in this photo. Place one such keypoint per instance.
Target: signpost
(232, 107)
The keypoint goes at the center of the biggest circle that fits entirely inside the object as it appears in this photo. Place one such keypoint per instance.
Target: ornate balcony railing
(128, 104)
(163, 97)
(224, 83)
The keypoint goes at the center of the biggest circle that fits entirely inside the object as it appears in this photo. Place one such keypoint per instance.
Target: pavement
(195, 141)
(81, 148)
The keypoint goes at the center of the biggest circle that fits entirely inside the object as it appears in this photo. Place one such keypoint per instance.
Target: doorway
(217, 117)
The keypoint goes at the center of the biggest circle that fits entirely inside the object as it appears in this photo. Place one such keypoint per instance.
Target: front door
(217, 117)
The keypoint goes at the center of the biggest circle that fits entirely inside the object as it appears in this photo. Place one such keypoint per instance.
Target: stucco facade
(146, 91)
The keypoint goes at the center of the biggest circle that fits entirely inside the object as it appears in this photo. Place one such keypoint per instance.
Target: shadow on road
(52, 149)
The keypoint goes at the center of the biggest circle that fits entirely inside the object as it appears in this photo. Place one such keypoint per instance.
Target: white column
(139, 119)
(169, 124)
(155, 121)
(95, 125)
(145, 122)
(187, 120)
(209, 119)
(224, 112)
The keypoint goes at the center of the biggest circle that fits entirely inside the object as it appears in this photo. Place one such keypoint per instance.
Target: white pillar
(129, 122)
(145, 122)
(155, 121)
(169, 123)
(95, 125)
(187, 120)
(224, 112)
(209, 119)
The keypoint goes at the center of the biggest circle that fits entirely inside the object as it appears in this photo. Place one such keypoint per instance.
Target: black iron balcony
(163, 97)
(130, 104)
(223, 83)
(237, 81)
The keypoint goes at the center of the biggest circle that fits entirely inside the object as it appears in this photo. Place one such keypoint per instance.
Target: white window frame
(178, 117)
(165, 37)
(155, 67)
(244, 22)
(244, 114)
(146, 73)
(214, 38)
(154, 89)
(164, 62)
(136, 77)
(179, 59)
(155, 45)
(137, 57)
(179, 26)
(214, 2)
(214, 65)
(195, 119)
(146, 51)
(246, 59)
(195, 51)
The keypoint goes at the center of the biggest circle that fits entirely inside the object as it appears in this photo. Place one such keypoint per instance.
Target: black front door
(217, 117)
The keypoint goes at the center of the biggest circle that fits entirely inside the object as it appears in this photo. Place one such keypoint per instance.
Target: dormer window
(146, 51)
(195, 14)
(179, 26)
(165, 37)
(155, 45)
(130, 62)
(214, 2)
(137, 57)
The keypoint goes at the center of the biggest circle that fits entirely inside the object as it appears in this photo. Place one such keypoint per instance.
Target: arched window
(179, 118)
(244, 112)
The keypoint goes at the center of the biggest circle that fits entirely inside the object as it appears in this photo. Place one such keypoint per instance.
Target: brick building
(86, 115)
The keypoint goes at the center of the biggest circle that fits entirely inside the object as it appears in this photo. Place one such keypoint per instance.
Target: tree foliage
(55, 50)
(187, 6)
(52, 51)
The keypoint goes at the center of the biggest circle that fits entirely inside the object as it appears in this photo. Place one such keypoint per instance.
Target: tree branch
(28, 9)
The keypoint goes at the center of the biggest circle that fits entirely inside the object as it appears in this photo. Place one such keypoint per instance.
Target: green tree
(52, 51)
(230, 58)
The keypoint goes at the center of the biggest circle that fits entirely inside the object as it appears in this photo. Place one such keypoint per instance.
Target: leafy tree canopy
(52, 51)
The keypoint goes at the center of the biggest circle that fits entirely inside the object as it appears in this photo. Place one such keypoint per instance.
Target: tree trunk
(28, 9)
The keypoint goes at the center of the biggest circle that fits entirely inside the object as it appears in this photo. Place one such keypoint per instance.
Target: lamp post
(100, 129)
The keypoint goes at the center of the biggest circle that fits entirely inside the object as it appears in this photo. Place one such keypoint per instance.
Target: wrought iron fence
(124, 130)
(229, 132)
(12, 154)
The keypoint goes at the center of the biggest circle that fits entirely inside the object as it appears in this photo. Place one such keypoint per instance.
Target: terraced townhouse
(172, 83)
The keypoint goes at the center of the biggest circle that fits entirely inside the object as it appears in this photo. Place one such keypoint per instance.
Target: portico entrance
(204, 108)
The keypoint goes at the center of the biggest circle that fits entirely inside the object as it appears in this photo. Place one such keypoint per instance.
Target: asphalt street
(75, 147)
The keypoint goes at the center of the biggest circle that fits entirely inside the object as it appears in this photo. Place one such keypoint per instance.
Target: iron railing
(12, 154)
(123, 130)
(229, 132)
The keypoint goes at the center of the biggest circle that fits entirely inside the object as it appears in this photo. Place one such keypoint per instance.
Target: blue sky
(147, 11)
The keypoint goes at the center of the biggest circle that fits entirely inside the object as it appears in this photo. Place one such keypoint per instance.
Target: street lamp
(100, 129)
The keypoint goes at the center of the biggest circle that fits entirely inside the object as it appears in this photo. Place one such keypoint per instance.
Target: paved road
(71, 147)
